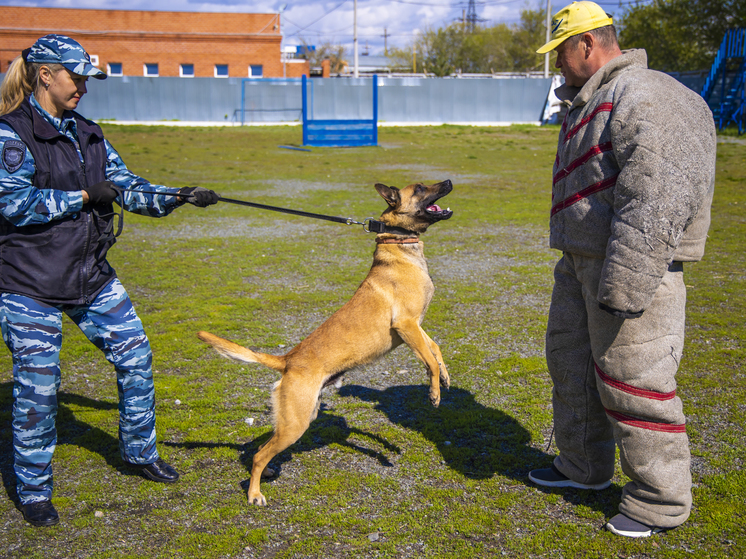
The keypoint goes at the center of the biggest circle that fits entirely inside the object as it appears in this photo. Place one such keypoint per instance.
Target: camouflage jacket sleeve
(21, 203)
(145, 204)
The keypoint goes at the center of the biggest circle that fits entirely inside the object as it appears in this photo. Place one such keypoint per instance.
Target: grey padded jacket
(634, 177)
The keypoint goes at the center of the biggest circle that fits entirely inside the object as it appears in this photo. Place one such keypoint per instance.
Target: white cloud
(302, 19)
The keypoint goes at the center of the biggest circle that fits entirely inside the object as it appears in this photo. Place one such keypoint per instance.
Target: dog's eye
(419, 188)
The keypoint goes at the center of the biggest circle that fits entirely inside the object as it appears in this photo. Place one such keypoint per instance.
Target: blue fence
(266, 101)
(257, 101)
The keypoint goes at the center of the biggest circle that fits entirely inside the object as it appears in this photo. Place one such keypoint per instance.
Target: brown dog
(386, 310)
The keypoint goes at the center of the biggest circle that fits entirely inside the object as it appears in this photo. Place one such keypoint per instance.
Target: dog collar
(395, 241)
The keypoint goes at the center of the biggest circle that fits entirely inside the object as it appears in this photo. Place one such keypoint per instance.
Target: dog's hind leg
(416, 338)
(295, 405)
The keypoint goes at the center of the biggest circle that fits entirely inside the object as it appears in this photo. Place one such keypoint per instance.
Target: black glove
(200, 197)
(618, 313)
(101, 193)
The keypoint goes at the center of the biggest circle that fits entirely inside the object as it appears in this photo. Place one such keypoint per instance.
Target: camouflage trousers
(32, 330)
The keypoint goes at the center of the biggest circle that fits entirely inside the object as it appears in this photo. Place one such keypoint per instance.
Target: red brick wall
(135, 38)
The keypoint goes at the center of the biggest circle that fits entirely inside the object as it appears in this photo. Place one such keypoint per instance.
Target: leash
(369, 224)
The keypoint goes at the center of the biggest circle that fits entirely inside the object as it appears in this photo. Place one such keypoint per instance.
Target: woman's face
(64, 92)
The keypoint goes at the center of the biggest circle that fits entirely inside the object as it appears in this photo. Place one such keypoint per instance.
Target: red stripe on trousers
(602, 108)
(587, 191)
(649, 425)
(595, 150)
(629, 389)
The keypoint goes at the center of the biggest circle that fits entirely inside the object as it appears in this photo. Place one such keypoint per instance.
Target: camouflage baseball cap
(58, 49)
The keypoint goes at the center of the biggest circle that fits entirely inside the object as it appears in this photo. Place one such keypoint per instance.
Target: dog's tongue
(434, 208)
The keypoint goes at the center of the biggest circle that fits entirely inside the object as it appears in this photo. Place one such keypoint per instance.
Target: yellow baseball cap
(574, 19)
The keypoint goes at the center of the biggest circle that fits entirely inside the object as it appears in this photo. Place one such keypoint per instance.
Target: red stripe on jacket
(602, 108)
(587, 191)
(629, 389)
(649, 425)
(595, 150)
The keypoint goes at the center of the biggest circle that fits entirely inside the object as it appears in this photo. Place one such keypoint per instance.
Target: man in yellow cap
(631, 193)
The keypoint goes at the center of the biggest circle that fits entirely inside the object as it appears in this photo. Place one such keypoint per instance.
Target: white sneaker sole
(622, 525)
(570, 483)
(629, 534)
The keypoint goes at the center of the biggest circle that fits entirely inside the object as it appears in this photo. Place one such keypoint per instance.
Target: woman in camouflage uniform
(57, 178)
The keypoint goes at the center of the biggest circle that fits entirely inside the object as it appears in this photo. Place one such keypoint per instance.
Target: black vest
(62, 261)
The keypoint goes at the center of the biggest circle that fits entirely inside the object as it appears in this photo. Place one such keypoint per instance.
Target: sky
(316, 22)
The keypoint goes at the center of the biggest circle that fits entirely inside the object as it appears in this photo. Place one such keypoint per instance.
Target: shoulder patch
(14, 154)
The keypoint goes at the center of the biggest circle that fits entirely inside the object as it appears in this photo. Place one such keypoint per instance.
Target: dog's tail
(232, 350)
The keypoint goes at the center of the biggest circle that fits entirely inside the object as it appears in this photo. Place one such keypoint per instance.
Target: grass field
(380, 473)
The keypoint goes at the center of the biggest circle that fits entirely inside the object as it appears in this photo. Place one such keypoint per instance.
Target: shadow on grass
(475, 440)
(325, 430)
(70, 430)
(472, 439)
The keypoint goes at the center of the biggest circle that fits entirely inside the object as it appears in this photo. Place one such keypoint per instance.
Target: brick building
(138, 43)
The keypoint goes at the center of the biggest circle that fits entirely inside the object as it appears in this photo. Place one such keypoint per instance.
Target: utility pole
(354, 40)
(548, 36)
(385, 36)
(279, 28)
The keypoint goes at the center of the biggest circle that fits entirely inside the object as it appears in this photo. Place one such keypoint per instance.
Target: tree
(335, 53)
(454, 48)
(528, 36)
(680, 35)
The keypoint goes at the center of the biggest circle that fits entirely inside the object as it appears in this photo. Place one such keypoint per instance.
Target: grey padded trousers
(614, 385)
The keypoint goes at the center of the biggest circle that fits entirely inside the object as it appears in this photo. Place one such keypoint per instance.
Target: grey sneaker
(552, 477)
(622, 525)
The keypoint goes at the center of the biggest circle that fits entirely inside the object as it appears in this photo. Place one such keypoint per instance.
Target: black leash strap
(369, 224)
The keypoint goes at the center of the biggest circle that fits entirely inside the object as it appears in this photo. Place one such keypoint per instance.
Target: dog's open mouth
(435, 211)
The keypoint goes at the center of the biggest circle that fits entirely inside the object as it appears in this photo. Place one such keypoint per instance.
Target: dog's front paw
(435, 398)
(257, 500)
(445, 378)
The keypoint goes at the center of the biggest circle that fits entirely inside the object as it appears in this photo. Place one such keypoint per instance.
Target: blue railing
(732, 46)
(340, 132)
(729, 106)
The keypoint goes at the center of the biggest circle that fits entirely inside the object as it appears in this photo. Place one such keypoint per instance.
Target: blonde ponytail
(16, 86)
(21, 80)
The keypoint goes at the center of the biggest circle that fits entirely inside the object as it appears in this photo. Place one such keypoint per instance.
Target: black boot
(40, 513)
(158, 471)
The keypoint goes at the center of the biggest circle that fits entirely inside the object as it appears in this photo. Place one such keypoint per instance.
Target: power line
(314, 21)
(455, 4)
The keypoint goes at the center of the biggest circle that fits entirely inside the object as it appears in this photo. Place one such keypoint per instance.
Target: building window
(255, 71)
(221, 70)
(115, 68)
(186, 70)
(150, 70)
(94, 59)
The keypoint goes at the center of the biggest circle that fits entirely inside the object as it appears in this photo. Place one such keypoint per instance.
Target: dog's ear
(388, 193)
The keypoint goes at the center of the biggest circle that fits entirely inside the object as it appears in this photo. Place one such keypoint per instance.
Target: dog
(385, 311)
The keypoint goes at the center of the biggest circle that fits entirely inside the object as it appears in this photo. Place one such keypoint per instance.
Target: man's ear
(588, 42)
(388, 193)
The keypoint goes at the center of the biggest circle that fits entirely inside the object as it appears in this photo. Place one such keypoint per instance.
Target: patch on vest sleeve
(14, 154)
